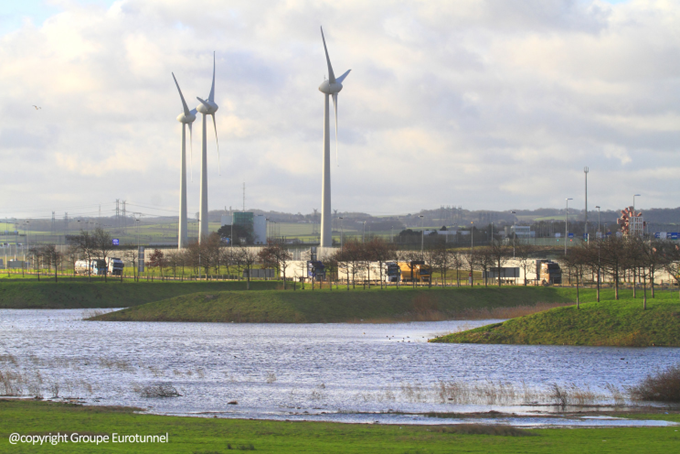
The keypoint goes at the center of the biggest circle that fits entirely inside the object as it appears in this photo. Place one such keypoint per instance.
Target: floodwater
(385, 373)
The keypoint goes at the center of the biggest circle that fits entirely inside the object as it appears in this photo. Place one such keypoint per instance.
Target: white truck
(305, 270)
(115, 265)
(98, 267)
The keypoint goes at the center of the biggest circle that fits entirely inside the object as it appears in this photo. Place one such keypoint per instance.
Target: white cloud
(484, 104)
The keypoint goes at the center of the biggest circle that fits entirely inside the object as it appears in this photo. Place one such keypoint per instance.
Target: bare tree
(412, 258)
(486, 261)
(131, 256)
(353, 254)
(576, 262)
(103, 244)
(438, 255)
(380, 251)
(613, 258)
(275, 255)
(52, 257)
(472, 261)
(82, 245)
(523, 253)
(246, 258)
(456, 258)
(671, 260)
(499, 253)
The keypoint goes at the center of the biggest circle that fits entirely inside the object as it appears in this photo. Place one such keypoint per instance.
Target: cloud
(484, 104)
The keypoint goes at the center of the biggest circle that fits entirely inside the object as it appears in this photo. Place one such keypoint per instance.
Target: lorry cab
(316, 270)
(392, 272)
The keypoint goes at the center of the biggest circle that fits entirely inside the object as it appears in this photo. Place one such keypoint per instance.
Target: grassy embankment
(324, 306)
(31, 294)
(609, 322)
(203, 435)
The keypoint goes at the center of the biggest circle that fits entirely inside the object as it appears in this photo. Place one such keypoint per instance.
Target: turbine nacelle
(206, 107)
(187, 119)
(330, 88)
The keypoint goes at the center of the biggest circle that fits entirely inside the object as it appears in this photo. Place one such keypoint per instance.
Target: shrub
(661, 387)
(159, 390)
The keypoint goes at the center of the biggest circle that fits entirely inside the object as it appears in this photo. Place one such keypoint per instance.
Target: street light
(566, 225)
(422, 233)
(599, 219)
(341, 233)
(28, 248)
(585, 171)
(514, 232)
(472, 235)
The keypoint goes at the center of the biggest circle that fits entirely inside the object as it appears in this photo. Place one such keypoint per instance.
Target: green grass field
(67, 294)
(218, 436)
(339, 305)
(609, 322)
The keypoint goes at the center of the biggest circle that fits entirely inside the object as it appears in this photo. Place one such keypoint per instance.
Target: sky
(483, 104)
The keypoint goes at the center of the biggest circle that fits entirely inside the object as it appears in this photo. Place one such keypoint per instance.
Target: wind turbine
(186, 118)
(330, 86)
(206, 107)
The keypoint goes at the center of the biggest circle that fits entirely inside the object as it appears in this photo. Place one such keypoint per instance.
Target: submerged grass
(341, 306)
(610, 322)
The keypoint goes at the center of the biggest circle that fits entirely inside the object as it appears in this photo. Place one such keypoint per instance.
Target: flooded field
(384, 373)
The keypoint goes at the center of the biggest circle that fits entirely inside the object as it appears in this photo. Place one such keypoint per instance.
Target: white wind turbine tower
(331, 86)
(206, 107)
(186, 118)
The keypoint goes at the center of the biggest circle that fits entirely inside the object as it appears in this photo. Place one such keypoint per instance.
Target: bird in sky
(36, 107)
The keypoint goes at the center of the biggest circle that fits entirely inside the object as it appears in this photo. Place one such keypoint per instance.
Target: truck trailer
(369, 271)
(98, 267)
(306, 270)
(415, 270)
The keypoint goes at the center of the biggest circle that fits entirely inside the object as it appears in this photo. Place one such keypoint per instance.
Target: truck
(391, 272)
(92, 267)
(98, 267)
(359, 272)
(115, 265)
(306, 269)
(548, 272)
(415, 270)
(538, 271)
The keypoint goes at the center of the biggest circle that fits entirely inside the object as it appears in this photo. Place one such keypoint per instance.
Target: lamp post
(472, 235)
(341, 234)
(514, 232)
(585, 171)
(422, 234)
(599, 219)
(566, 224)
(28, 248)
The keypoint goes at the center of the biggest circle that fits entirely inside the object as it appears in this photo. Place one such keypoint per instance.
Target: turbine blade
(191, 152)
(218, 145)
(335, 106)
(211, 97)
(341, 78)
(204, 102)
(331, 75)
(184, 104)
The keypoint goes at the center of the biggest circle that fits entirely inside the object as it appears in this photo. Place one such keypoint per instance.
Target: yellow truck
(415, 270)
